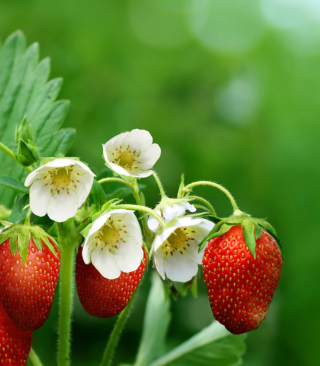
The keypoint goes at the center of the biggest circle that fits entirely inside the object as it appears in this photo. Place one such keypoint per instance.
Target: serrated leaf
(214, 345)
(23, 244)
(248, 233)
(18, 211)
(13, 184)
(258, 231)
(98, 195)
(24, 90)
(156, 322)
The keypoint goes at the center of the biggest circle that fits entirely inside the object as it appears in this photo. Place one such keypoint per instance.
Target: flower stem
(119, 180)
(157, 179)
(205, 202)
(216, 185)
(116, 332)
(10, 153)
(145, 209)
(34, 358)
(67, 238)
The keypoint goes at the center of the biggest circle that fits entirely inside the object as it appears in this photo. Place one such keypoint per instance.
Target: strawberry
(241, 286)
(100, 296)
(29, 271)
(14, 343)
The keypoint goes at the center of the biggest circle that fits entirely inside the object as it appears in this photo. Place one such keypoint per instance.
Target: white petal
(40, 197)
(34, 175)
(101, 220)
(141, 174)
(189, 207)
(149, 156)
(153, 223)
(84, 187)
(138, 140)
(105, 263)
(84, 168)
(159, 239)
(159, 262)
(173, 212)
(86, 251)
(187, 221)
(118, 169)
(114, 142)
(60, 163)
(129, 255)
(63, 206)
(180, 267)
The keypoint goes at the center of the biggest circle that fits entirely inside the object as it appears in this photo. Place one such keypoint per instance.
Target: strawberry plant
(108, 241)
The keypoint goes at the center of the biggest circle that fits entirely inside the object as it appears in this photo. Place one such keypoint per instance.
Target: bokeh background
(230, 91)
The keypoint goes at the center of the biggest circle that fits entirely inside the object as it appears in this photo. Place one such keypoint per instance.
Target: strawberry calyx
(20, 237)
(251, 227)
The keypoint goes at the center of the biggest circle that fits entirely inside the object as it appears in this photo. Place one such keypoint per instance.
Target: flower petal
(189, 207)
(138, 140)
(180, 267)
(149, 156)
(34, 175)
(118, 169)
(105, 263)
(129, 255)
(60, 163)
(63, 206)
(153, 223)
(84, 168)
(83, 188)
(159, 262)
(99, 223)
(40, 197)
(173, 212)
(115, 142)
(160, 239)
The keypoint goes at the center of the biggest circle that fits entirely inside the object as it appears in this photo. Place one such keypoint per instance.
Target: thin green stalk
(119, 180)
(34, 358)
(205, 202)
(68, 239)
(145, 209)
(116, 333)
(216, 185)
(157, 179)
(10, 153)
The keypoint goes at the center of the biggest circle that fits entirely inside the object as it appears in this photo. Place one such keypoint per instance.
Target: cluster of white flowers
(114, 242)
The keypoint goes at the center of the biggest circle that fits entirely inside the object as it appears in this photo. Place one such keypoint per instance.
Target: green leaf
(156, 322)
(19, 211)
(23, 244)
(214, 345)
(25, 91)
(98, 195)
(248, 233)
(13, 184)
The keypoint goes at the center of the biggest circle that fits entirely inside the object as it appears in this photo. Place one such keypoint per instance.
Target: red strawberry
(27, 290)
(100, 296)
(240, 287)
(14, 343)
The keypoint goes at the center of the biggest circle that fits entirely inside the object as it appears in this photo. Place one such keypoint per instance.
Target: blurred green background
(230, 91)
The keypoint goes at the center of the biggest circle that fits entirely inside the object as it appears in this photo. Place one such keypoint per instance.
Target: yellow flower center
(177, 239)
(126, 158)
(109, 234)
(61, 178)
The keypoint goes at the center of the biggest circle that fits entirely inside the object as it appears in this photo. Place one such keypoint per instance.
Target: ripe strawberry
(14, 343)
(240, 287)
(100, 296)
(27, 290)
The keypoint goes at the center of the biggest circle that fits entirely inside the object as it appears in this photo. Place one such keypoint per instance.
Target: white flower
(169, 213)
(132, 153)
(114, 244)
(176, 248)
(59, 188)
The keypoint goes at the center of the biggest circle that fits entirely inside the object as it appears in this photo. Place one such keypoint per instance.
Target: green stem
(205, 202)
(10, 153)
(145, 209)
(68, 239)
(116, 332)
(119, 180)
(157, 179)
(216, 185)
(34, 359)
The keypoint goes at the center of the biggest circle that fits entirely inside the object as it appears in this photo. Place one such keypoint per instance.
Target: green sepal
(248, 229)
(258, 231)
(13, 243)
(220, 229)
(4, 235)
(23, 244)
(85, 231)
(24, 131)
(37, 242)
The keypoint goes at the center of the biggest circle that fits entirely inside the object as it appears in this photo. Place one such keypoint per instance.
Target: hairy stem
(34, 358)
(216, 185)
(116, 333)
(145, 209)
(157, 179)
(10, 153)
(68, 239)
(119, 180)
